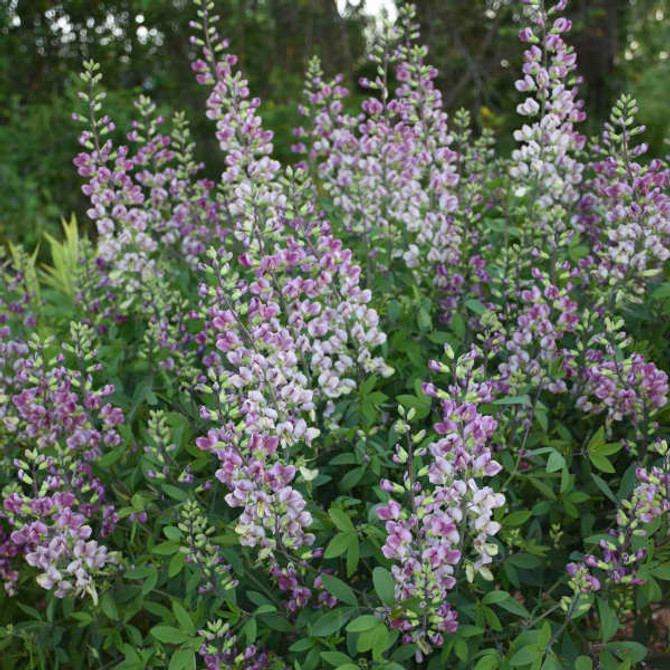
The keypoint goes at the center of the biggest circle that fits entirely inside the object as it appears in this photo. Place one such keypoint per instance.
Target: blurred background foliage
(143, 48)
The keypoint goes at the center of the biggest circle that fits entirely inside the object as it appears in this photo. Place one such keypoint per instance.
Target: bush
(402, 404)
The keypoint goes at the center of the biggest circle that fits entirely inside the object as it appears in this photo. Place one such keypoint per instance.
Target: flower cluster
(449, 518)
(541, 341)
(56, 540)
(546, 158)
(650, 500)
(286, 325)
(273, 512)
(57, 425)
(529, 335)
(624, 384)
(391, 171)
(202, 552)
(220, 650)
(626, 211)
(141, 200)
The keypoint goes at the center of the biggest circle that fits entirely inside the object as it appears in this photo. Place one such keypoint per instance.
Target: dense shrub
(401, 405)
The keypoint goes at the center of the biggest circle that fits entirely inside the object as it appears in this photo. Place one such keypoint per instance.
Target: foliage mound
(401, 405)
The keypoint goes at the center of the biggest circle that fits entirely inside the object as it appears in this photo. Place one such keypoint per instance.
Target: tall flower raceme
(546, 166)
(20, 298)
(391, 171)
(57, 424)
(545, 342)
(606, 376)
(287, 327)
(621, 553)
(221, 650)
(141, 200)
(281, 244)
(17, 317)
(440, 519)
(625, 213)
(529, 335)
(575, 355)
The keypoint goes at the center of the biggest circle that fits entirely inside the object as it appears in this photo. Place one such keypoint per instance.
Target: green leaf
(374, 639)
(476, 307)
(439, 337)
(177, 562)
(467, 631)
(341, 520)
(258, 599)
(183, 618)
(302, 645)
(344, 459)
(525, 561)
(545, 490)
(493, 597)
(597, 439)
(327, 624)
(662, 572)
(109, 458)
(513, 606)
(30, 611)
(583, 663)
(169, 634)
(491, 619)
(633, 651)
(140, 573)
(525, 656)
(172, 533)
(340, 590)
(362, 623)
(380, 640)
(166, 548)
(458, 325)
(384, 585)
(174, 492)
(488, 662)
(516, 519)
(182, 659)
(599, 450)
(277, 622)
(544, 636)
(335, 657)
(504, 600)
(461, 649)
(84, 618)
(109, 607)
(604, 487)
(609, 624)
(424, 320)
(662, 291)
(337, 546)
(608, 449)
(352, 478)
(552, 663)
(250, 630)
(420, 405)
(607, 661)
(601, 462)
(555, 462)
(514, 400)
